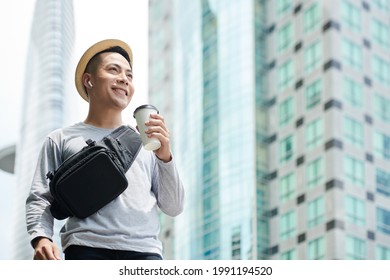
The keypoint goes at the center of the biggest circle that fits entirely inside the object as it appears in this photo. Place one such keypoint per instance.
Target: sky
(95, 20)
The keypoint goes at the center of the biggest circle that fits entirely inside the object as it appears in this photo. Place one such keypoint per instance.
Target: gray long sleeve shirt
(129, 222)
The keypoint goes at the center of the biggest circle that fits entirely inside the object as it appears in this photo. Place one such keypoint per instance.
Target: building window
(352, 54)
(316, 249)
(380, 33)
(286, 149)
(383, 182)
(353, 92)
(288, 225)
(351, 16)
(353, 131)
(314, 173)
(286, 111)
(289, 255)
(314, 133)
(285, 37)
(283, 6)
(287, 187)
(311, 18)
(210, 242)
(383, 5)
(355, 210)
(382, 107)
(236, 244)
(381, 70)
(383, 220)
(382, 253)
(313, 94)
(355, 248)
(354, 171)
(313, 56)
(382, 145)
(285, 75)
(315, 212)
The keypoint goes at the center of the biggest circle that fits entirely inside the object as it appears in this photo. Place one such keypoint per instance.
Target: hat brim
(94, 49)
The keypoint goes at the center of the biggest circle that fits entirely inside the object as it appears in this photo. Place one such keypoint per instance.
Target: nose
(122, 78)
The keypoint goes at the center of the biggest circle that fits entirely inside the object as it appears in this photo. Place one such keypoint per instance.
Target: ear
(86, 79)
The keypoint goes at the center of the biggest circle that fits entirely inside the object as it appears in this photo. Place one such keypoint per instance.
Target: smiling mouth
(121, 91)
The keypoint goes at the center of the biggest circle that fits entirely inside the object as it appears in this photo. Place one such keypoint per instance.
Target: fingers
(43, 254)
(156, 127)
(47, 251)
(157, 121)
(156, 131)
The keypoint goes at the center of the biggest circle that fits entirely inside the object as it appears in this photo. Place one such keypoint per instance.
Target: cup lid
(146, 106)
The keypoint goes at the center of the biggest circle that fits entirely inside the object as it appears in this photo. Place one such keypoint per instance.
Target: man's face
(112, 82)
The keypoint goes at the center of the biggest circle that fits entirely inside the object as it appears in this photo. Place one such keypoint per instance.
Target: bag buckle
(50, 175)
(90, 142)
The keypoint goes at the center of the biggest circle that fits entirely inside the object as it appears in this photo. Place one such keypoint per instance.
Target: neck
(104, 118)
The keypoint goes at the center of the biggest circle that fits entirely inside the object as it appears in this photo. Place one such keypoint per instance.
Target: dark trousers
(75, 252)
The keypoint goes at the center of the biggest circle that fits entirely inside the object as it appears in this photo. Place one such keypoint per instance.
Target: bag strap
(125, 142)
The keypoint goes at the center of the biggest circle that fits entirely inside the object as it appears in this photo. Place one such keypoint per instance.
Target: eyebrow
(117, 65)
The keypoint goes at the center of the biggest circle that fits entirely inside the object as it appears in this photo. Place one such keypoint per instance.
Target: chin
(123, 105)
(122, 101)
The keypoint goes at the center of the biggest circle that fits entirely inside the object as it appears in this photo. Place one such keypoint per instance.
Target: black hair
(91, 65)
(116, 49)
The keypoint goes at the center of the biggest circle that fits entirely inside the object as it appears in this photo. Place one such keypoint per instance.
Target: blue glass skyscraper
(279, 117)
(214, 113)
(45, 105)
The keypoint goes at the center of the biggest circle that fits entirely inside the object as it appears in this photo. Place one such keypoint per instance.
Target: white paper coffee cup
(142, 115)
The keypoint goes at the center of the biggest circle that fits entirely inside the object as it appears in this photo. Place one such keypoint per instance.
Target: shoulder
(60, 133)
(67, 140)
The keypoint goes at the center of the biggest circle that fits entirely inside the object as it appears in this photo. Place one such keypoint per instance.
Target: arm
(166, 183)
(168, 188)
(38, 217)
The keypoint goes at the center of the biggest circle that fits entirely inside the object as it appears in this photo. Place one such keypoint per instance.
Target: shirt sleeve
(38, 216)
(168, 187)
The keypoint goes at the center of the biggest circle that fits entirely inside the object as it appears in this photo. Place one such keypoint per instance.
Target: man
(127, 227)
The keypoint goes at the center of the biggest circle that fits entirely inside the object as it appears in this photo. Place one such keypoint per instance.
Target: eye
(113, 69)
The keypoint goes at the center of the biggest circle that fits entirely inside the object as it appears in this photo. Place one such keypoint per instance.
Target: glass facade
(210, 136)
(355, 210)
(355, 248)
(212, 94)
(316, 249)
(313, 94)
(281, 119)
(353, 92)
(45, 101)
(315, 212)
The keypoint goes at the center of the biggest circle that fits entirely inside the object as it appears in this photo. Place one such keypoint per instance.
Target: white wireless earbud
(90, 84)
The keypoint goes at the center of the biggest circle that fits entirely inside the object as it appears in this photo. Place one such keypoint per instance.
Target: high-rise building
(213, 113)
(8, 183)
(279, 116)
(161, 56)
(45, 101)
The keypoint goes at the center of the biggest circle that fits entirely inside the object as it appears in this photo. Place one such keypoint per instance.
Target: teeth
(121, 91)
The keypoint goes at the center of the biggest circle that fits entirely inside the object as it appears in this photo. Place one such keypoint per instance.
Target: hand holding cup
(153, 132)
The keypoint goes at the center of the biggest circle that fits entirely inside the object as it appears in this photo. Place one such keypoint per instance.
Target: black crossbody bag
(94, 176)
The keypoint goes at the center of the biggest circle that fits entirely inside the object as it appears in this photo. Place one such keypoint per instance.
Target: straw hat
(94, 49)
